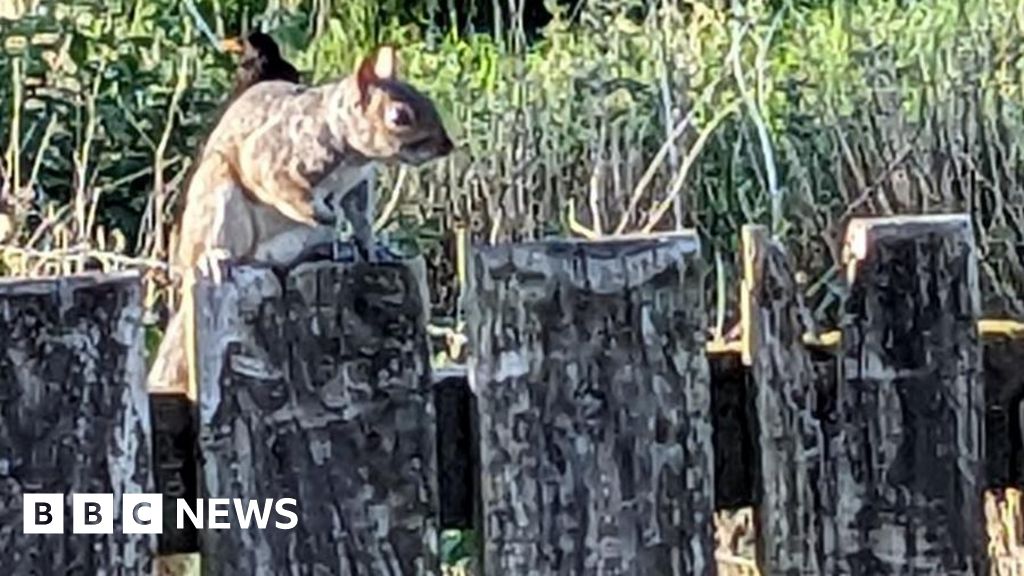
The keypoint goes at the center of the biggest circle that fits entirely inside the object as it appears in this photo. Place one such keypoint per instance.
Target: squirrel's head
(393, 120)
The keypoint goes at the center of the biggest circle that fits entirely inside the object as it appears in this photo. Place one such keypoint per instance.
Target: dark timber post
(794, 520)
(457, 452)
(1004, 413)
(734, 432)
(592, 384)
(73, 417)
(318, 388)
(172, 400)
(909, 467)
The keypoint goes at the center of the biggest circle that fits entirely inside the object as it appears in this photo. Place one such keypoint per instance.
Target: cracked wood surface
(74, 417)
(589, 368)
(319, 389)
(910, 405)
(797, 487)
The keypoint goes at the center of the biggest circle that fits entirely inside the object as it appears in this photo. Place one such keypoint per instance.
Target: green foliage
(153, 335)
(459, 547)
(868, 107)
(104, 76)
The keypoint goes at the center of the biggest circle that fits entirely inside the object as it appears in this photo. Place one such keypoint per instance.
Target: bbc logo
(144, 513)
(92, 513)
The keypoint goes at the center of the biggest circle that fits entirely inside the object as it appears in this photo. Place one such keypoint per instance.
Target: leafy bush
(829, 110)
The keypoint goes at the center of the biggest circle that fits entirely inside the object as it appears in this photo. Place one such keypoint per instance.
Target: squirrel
(282, 160)
(260, 60)
(285, 156)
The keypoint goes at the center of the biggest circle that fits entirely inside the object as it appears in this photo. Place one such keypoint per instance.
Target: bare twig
(691, 156)
(663, 151)
(159, 189)
(576, 226)
(53, 219)
(130, 118)
(146, 227)
(496, 222)
(201, 24)
(5, 182)
(753, 108)
(82, 251)
(44, 145)
(596, 179)
(668, 106)
(81, 159)
(652, 168)
(14, 145)
(865, 195)
(396, 196)
(851, 161)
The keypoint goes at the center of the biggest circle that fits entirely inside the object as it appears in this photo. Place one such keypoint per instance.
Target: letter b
(43, 513)
(92, 514)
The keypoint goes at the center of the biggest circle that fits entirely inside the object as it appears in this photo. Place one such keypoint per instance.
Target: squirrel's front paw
(213, 263)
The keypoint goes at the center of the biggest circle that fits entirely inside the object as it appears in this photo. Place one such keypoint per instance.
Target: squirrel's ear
(385, 62)
(382, 64)
(364, 78)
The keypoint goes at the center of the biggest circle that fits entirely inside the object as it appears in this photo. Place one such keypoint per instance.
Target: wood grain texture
(794, 519)
(318, 388)
(910, 408)
(589, 369)
(74, 417)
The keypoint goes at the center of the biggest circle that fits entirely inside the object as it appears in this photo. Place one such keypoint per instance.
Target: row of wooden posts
(594, 434)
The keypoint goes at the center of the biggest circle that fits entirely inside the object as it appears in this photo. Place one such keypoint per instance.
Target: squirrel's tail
(169, 373)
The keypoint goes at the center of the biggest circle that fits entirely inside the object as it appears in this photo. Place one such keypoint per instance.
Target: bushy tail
(169, 373)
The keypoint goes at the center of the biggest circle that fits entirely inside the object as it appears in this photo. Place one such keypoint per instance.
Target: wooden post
(457, 451)
(1004, 412)
(589, 368)
(172, 397)
(318, 388)
(73, 417)
(910, 411)
(174, 464)
(734, 430)
(794, 519)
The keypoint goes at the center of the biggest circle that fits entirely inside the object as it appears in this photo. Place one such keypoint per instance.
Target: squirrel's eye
(399, 116)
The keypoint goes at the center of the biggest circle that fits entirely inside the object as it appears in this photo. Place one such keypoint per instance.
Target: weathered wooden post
(794, 519)
(1004, 411)
(318, 388)
(172, 388)
(734, 432)
(592, 384)
(73, 417)
(457, 450)
(174, 415)
(910, 407)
